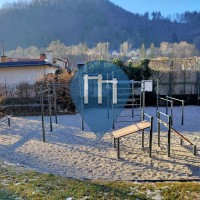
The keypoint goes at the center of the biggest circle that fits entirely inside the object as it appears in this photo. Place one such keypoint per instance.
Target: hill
(72, 21)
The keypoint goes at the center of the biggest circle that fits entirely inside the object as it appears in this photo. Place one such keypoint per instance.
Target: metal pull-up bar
(100, 81)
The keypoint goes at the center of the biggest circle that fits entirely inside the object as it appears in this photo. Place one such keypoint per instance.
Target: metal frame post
(169, 135)
(55, 103)
(42, 112)
(118, 148)
(182, 118)
(158, 116)
(9, 121)
(151, 137)
(195, 150)
(157, 93)
(142, 131)
(50, 114)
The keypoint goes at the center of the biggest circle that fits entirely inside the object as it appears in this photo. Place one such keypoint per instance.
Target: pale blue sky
(167, 7)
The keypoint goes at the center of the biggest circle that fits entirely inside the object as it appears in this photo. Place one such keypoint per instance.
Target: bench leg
(195, 150)
(114, 143)
(150, 142)
(118, 148)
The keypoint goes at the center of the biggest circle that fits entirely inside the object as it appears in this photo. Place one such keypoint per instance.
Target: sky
(167, 7)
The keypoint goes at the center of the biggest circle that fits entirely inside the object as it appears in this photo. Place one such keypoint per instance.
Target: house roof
(25, 64)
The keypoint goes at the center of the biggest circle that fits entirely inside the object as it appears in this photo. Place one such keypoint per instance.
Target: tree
(125, 47)
(152, 51)
(143, 51)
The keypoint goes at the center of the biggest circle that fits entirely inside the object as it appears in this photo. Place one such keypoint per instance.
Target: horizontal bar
(163, 123)
(165, 99)
(146, 115)
(163, 114)
(175, 99)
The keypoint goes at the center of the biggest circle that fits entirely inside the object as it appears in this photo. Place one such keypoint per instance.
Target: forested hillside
(91, 21)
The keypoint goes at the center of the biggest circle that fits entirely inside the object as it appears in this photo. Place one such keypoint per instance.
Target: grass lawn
(17, 183)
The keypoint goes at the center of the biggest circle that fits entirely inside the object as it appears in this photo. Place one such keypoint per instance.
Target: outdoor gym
(113, 134)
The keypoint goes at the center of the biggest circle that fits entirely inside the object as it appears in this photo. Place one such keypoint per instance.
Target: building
(19, 71)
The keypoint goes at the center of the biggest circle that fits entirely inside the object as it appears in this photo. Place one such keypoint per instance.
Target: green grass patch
(17, 182)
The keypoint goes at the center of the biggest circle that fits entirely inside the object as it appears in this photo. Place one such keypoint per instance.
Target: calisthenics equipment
(140, 126)
(171, 130)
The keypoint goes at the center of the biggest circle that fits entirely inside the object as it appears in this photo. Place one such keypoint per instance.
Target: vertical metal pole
(167, 105)
(114, 142)
(50, 117)
(42, 112)
(132, 94)
(143, 131)
(108, 98)
(143, 96)
(158, 116)
(195, 150)
(182, 119)
(157, 91)
(169, 135)
(82, 101)
(118, 148)
(55, 103)
(9, 121)
(143, 138)
(151, 137)
(113, 118)
(172, 104)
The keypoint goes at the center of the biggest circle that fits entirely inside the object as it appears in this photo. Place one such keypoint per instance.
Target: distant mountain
(73, 21)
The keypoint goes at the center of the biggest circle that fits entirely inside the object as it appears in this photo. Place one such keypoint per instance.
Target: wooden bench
(141, 126)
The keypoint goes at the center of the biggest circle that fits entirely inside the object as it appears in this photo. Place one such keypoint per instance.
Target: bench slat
(131, 129)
